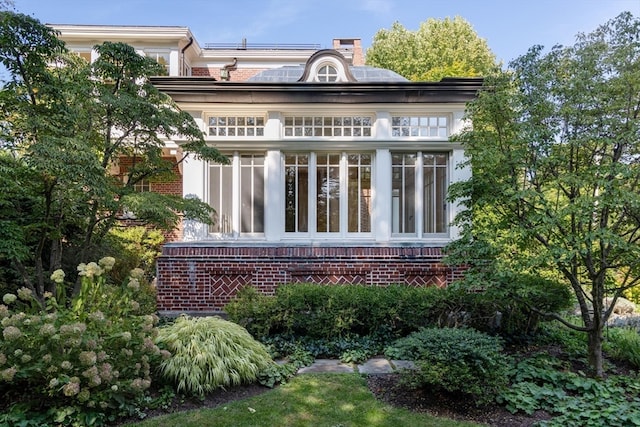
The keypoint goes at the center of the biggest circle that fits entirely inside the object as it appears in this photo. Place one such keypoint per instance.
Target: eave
(208, 90)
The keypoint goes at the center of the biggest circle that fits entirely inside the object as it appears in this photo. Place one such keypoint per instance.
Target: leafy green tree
(439, 48)
(65, 124)
(555, 154)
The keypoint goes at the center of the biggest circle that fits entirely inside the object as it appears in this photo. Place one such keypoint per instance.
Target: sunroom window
(337, 186)
(419, 189)
(239, 209)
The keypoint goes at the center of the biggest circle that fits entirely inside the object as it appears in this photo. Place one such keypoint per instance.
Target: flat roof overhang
(209, 90)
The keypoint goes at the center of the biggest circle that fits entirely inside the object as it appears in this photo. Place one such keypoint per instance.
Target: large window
(247, 170)
(419, 189)
(338, 188)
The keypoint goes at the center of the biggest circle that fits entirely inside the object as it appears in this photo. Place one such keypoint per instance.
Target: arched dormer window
(327, 73)
(327, 66)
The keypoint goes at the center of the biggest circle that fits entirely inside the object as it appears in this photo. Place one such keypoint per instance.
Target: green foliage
(84, 364)
(333, 312)
(210, 353)
(545, 383)
(504, 304)
(624, 344)
(67, 126)
(439, 48)
(455, 360)
(555, 188)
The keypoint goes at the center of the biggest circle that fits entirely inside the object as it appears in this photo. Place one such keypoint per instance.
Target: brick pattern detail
(203, 277)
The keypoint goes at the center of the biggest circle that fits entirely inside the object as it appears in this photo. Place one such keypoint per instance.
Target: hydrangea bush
(84, 364)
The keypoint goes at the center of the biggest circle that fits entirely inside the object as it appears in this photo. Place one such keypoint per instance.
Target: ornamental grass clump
(210, 353)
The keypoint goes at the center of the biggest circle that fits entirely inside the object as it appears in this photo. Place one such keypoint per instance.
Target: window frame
(314, 166)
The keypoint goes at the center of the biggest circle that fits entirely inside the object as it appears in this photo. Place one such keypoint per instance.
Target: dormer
(327, 66)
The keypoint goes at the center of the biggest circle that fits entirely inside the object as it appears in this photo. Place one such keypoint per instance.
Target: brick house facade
(338, 172)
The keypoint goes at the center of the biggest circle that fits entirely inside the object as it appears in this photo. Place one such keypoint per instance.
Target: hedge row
(327, 312)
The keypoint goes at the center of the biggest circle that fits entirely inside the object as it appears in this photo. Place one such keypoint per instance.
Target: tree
(64, 125)
(439, 48)
(555, 154)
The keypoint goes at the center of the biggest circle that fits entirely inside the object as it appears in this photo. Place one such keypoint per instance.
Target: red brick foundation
(202, 277)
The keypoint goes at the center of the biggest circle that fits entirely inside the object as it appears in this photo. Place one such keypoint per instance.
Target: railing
(264, 46)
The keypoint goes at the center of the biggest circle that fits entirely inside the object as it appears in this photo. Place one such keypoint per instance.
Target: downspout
(182, 55)
(225, 72)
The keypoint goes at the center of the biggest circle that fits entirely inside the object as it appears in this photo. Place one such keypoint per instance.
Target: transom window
(236, 126)
(327, 73)
(312, 126)
(338, 188)
(419, 188)
(420, 126)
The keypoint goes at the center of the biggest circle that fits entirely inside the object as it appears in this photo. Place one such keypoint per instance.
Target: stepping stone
(326, 365)
(377, 365)
(403, 364)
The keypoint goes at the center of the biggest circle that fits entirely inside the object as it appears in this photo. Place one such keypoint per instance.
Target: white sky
(510, 27)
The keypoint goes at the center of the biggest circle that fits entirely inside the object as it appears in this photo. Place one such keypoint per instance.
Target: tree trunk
(595, 349)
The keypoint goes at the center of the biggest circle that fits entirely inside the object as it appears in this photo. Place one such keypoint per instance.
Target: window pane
(403, 184)
(296, 193)
(220, 198)
(328, 193)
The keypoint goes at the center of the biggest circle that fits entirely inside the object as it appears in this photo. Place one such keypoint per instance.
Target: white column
(273, 202)
(193, 185)
(382, 196)
(174, 63)
(457, 174)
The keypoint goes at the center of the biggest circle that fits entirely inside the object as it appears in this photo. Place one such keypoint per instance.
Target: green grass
(307, 400)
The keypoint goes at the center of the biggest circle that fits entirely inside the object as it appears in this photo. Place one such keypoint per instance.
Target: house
(339, 171)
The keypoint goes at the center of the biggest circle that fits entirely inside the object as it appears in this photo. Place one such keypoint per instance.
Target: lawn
(307, 400)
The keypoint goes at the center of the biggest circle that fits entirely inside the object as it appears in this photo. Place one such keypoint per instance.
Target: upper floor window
(310, 126)
(420, 126)
(161, 57)
(236, 126)
(327, 73)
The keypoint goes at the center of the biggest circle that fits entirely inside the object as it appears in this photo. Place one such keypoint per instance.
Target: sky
(510, 27)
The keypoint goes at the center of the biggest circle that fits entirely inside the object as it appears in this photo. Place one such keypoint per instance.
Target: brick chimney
(351, 49)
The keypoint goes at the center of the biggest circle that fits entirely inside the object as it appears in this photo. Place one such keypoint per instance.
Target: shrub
(624, 344)
(210, 353)
(330, 312)
(504, 305)
(79, 365)
(454, 360)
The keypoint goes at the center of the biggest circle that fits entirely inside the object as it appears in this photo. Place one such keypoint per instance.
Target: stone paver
(377, 365)
(403, 364)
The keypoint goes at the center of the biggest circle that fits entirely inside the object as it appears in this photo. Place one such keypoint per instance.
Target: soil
(386, 388)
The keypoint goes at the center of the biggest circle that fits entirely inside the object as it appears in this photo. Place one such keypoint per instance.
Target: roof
(291, 73)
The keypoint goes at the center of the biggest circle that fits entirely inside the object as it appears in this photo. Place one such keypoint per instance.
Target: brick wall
(238, 75)
(204, 277)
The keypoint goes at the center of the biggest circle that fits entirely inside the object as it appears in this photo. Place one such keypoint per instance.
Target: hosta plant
(209, 353)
